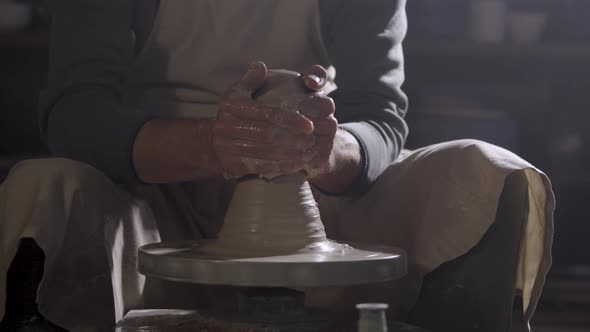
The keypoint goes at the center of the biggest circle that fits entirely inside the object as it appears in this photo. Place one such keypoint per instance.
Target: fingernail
(311, 128)
(314, 78)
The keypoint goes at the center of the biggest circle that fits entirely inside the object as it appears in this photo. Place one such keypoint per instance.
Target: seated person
(149, 115)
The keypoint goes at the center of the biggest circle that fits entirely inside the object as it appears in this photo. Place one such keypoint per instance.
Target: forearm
(345, 166)
(175, 150)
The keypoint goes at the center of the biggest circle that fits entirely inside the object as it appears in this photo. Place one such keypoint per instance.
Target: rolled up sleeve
(364, 43)
(81, 115)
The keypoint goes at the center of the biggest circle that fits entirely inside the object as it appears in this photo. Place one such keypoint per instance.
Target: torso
(198, 48)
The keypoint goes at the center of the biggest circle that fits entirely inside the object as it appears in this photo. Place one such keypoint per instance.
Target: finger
(247, 149)
(254, 78)
(325, 127)
(315, 77)
(317, 107)
(292, 121)
(240, 108)
(231, 127)
(263, 133)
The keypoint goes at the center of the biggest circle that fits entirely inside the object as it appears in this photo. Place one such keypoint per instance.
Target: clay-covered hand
(320, 109)
(253, 137)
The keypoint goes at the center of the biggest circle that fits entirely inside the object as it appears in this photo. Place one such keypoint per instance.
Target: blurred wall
(520, 84)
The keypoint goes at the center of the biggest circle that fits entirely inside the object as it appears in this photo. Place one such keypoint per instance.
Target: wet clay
(274, 215)
(273, 218)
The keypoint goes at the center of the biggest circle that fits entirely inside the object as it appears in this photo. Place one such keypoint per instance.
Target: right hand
(250, 137)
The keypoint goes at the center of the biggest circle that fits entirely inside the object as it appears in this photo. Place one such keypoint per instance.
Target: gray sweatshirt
(95, 42)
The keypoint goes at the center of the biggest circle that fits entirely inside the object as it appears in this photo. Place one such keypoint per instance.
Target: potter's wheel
(272, 237)
(190, 262)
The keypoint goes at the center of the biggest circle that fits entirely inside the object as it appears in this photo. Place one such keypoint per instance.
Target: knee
(467, 147)
(54, 172)
(468, 156)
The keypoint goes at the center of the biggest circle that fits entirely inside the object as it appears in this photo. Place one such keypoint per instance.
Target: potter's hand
(250, 137)
(320, 110)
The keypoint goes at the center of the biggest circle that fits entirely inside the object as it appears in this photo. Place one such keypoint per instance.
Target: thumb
(254, 78)
(315, 78)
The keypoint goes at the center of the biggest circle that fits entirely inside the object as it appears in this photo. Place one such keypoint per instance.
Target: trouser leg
(88, 229)
(437, 204)
(475, 292)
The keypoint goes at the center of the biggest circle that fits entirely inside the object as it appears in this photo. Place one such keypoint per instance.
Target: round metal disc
(188, 262)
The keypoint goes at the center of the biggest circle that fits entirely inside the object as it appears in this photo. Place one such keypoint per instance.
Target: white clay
(274, 218)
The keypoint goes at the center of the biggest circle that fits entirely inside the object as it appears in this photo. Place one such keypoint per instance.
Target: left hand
(319, 109)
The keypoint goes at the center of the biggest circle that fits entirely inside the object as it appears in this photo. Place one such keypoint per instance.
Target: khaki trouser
(436, 203)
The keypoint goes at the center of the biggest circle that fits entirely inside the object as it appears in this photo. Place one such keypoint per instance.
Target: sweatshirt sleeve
(81, 115)
(364, 43)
